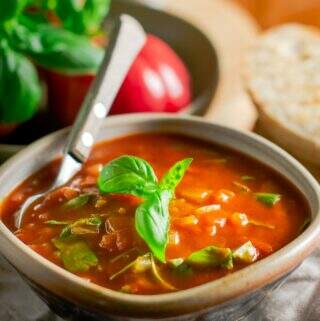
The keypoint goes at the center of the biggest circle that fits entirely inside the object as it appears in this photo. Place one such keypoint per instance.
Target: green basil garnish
(128, 175)
(76, 255)
(268, 199)
(133, 175)
(152, 222)
(175, 174)
(20, 91)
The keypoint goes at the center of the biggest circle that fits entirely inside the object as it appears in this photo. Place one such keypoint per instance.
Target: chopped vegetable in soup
(154, 213)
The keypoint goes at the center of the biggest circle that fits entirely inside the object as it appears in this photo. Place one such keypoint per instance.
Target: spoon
(126, 41)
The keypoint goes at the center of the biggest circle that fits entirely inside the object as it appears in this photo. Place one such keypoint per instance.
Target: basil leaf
(152, 222)
(211, 256)
(20, 90)
(77, 202)
(11, 8)
(246, 253)
(76, 255)
(55, 48)
(268, 199)
(82, 17)
(175, 174)
(127, 175)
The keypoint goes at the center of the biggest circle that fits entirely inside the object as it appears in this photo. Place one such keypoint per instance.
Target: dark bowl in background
(190, 44)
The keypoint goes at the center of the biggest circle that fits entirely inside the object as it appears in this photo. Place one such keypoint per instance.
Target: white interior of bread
(284, 76)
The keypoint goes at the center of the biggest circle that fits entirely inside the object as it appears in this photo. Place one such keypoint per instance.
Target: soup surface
(226, 212)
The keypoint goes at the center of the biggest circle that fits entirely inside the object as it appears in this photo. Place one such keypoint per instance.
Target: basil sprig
(82, 17)
(135, 176)
(51, 47)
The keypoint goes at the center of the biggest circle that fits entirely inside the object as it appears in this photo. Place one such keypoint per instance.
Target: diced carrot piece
(263, 247)
(186, 221)
(195, 195)
(94, 170)
(239, 219)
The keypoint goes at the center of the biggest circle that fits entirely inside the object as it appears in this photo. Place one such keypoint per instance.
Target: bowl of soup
(171, 218)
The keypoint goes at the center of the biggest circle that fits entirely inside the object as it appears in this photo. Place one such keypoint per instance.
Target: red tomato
(158, 81)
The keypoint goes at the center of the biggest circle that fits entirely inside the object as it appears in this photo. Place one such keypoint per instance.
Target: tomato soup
(155, 213)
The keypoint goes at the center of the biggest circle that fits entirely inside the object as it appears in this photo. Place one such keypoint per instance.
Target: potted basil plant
(26, 41)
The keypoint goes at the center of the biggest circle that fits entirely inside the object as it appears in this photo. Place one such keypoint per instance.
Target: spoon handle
(126, 42)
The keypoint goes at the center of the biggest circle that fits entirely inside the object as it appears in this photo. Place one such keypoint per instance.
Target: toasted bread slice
(283, 78)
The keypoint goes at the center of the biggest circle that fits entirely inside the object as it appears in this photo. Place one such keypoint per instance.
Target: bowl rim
(211, 294)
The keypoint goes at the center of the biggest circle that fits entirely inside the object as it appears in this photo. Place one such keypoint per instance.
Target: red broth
(215, 204)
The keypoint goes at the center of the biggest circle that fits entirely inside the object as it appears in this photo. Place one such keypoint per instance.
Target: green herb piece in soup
(246, 178)
(78, 201)
(20, 90)
(133, 175)
(128, 175)
(82, 226)
(54, 222)
(142, 264)
(211, 256)
(246, 253)
(268, 199)
(139, 265)
(76, 255)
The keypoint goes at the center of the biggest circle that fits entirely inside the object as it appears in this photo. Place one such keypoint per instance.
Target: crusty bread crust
(298, 138)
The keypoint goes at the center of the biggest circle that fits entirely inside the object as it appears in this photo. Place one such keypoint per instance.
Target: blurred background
(273, 12)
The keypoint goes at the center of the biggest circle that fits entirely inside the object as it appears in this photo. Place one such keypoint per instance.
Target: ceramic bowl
(224, 299)
(183, 37)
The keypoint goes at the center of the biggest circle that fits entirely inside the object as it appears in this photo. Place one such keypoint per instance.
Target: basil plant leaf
(55, 48)
(20, 90)
(128, 175)
(11, 8)
(175, 174)
(211, 256)
(76, 255)
(82, 17)
(152, 222)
